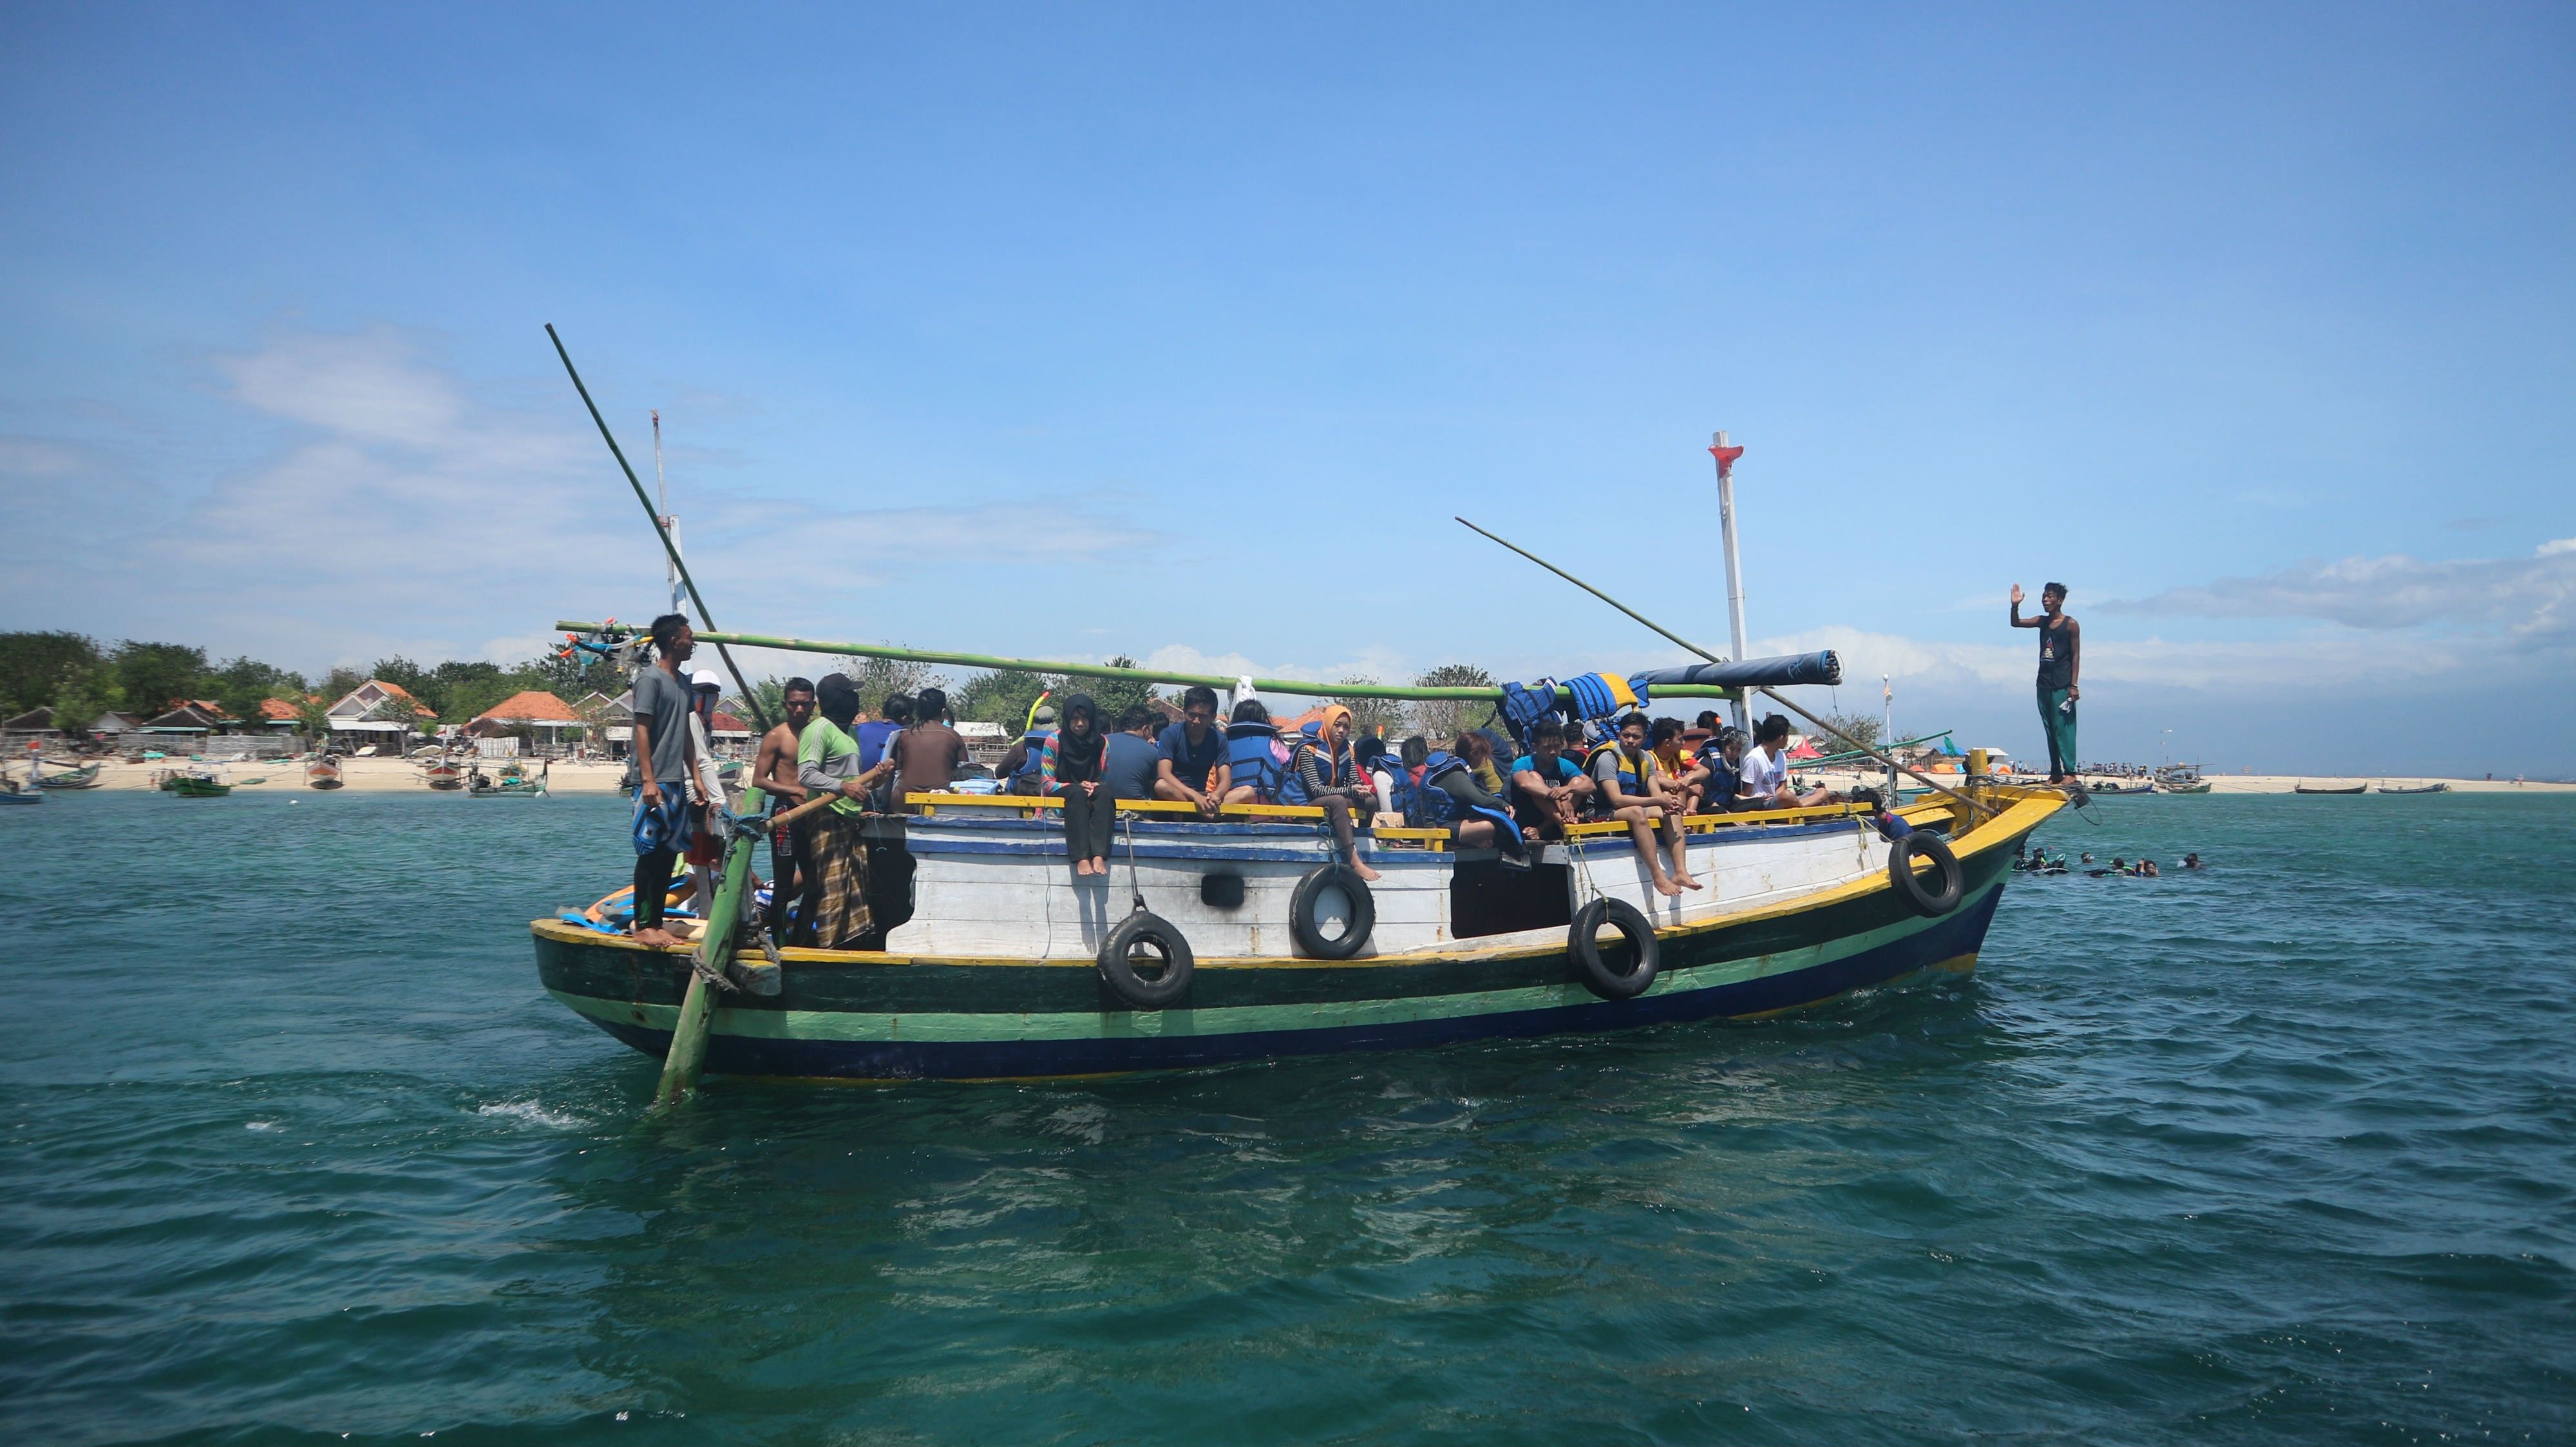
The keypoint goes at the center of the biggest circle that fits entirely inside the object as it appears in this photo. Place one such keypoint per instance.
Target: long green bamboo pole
(1856, 746)
(1486, 694)
(742, 686)
(687, 1057)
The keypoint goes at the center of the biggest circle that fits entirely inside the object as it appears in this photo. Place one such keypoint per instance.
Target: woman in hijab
(1325, 772)
(1070, 769)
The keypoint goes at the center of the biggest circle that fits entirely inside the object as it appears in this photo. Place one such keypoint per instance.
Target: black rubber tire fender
(1584, 943)
(1117, 961)
(1305, 913)
(1920, 896)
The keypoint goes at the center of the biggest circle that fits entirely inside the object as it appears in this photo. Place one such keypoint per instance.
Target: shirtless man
(927, 755)
(773, 772)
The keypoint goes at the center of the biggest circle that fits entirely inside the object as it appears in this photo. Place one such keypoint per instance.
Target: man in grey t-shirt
(663, 751)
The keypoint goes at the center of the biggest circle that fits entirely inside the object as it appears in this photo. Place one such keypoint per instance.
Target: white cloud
(2529, 597)
(406, 512)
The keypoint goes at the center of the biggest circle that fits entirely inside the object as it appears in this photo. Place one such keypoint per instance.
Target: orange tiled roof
(278, 709)
(533, 706)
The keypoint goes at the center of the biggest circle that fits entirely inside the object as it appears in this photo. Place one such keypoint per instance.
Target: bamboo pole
(1487, 694)
(1972, 806)
(671, 550)
(687, 1056)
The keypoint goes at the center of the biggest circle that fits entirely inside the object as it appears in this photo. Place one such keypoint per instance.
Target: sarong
(836, 879)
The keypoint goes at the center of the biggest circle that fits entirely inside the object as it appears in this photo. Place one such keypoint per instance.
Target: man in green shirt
(834, 909)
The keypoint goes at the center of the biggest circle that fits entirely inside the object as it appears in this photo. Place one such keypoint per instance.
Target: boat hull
(863, 1016)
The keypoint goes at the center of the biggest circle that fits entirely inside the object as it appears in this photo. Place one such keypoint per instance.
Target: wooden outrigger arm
(1485, 693)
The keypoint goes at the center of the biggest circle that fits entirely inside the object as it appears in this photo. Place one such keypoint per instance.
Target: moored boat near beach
(323, 773)
(2435, 787)
(2330, 788)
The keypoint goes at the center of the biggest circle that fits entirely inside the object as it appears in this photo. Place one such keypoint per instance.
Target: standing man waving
(2061, 658)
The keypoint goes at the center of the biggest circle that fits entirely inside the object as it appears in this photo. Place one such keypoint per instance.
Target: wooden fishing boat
(510, 787)
(443, 774)
(198, 786)
(2436, 787)
(73, 776)
(996, 959)
(323, 773)
(2329, 788)
(2098, 790)
(2181, 779)
(15, 795)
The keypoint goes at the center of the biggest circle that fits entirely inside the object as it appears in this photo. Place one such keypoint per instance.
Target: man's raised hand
(2016, 597)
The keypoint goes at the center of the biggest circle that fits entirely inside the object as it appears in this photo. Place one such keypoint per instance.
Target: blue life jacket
(1341, 771)
(1026, 778)
(1254, 755)
(1525, 705)
(1426, 805)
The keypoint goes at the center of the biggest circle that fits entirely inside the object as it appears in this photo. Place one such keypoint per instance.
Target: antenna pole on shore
(1726, 455)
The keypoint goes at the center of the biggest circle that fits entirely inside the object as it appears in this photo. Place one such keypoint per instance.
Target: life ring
(1584, 942)
(1143, 931)
(1911, 887)
(1331, 913)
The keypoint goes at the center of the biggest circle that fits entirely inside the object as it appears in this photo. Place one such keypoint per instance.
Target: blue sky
(1183, 333)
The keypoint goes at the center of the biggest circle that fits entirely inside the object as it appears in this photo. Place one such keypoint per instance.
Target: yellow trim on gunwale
(2028, 809)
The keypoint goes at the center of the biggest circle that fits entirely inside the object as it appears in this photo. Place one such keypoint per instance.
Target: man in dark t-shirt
(928, 754)
(1132, 757)
(1193, 769)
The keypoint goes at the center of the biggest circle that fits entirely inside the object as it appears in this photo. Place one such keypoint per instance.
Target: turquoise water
(296, 1150)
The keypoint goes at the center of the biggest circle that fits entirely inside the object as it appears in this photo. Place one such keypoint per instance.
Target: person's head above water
(837, 700)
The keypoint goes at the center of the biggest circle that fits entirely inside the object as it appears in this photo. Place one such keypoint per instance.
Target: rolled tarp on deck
(1787, 670)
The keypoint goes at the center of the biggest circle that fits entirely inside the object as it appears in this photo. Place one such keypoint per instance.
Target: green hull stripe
(935, 1027)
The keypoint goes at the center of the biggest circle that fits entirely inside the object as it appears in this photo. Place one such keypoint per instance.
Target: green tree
(154, 676)
(408, 676)
(1442, 720)
(85, 693)
(341, 682)
(34, 667)
(243, 684)
(1860, 727)
(1381, 716)
(1005, 695)
(877, 677)
(1117, 695)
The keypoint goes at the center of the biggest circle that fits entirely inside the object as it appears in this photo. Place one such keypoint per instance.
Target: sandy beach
(367, 774)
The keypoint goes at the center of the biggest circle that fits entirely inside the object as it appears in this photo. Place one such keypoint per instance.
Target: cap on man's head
(706, 678)
(1045, 713)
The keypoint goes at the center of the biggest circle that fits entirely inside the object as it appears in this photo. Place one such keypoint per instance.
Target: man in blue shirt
(1133, 760)
(1193, 767)
(1548, 789)
(873, 734)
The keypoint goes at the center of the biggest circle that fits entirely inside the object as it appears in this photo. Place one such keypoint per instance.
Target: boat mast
(1726, 456)
(670, 524)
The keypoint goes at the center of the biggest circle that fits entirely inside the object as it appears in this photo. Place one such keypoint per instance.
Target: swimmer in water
(2192, 861)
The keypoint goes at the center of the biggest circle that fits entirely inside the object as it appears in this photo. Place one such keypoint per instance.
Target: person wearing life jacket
(1324, 771)
(1451, 793)
(1548, 789)
(1630, 788)
(1256, 761)
(1019, 768)
(1722, 757)
(1683, 776)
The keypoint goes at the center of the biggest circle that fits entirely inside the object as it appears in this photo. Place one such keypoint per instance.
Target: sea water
(297, 1150)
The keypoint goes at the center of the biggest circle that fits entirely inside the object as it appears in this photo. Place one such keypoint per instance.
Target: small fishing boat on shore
(2330, 788)
(198, 786)
(71, 775)
(323, 773)
(443, 773)
(2181, 779)
(512, 784)
(2434, 787)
